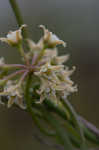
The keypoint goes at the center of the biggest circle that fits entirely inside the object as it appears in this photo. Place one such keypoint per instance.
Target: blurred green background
(77, 23)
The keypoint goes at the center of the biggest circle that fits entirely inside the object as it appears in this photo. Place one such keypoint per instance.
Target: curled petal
(50, 39)
(69, 72)
(60, 59)
(13, 37)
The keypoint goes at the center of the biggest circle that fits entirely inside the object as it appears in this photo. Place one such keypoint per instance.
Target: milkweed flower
(50, 39)
(13, 37)
(15, 94)
(55, 82)
(50, 77)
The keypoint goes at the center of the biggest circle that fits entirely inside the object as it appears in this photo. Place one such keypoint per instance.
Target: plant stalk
(18, 16)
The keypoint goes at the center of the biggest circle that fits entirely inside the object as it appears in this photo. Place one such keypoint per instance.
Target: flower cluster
(43, 63)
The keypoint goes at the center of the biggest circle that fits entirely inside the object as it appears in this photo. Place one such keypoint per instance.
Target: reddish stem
(90, 126)
(14, 74)
(34, 59)
(13, 65)
(24, 75)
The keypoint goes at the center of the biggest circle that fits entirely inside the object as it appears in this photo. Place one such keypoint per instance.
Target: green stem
(29, 108)
(18, 16)
(88, 134)
(27, 91)
(61, 135)
(63, 138)
(54, 108)
(76, 122)
(74, 136)
(38, 124)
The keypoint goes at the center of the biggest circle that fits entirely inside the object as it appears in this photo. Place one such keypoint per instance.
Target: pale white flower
(17, 100)
(14, 93)
(35, 47)
(50, 39)
(48, 68)
(52, 57)
(60, 59)
(14, 37)
(51, 53)
(55, 82)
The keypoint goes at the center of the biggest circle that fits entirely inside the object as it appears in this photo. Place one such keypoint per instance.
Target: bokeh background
(77, 23)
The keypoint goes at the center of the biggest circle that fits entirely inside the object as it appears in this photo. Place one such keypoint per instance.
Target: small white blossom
(60, 59)
(14, 37)
(35, 47)
(14, 93)
(55, 79)
(51, 53)
(50, 39)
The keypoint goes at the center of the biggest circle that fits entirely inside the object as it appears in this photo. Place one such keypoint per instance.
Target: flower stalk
(18, 16)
